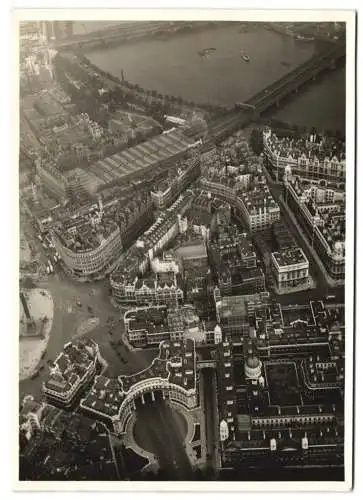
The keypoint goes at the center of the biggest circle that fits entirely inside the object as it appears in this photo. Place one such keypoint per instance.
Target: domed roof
(252, 362)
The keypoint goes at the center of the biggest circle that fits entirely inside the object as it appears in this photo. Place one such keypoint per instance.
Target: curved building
(92, 262)
(90, 243)
(173, 373)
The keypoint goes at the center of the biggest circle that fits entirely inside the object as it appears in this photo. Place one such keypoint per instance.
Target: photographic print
(186, 229)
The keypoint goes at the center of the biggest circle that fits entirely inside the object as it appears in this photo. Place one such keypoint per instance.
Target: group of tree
(120, 91)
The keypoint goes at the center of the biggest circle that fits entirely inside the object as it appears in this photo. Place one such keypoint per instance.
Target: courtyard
(283, 383)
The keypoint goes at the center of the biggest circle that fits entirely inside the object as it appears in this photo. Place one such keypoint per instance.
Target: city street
(69, 317)
(80, 309)
(161, 430)
(316, 268)
(210, 412)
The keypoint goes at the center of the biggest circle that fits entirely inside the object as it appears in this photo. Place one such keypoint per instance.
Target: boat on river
(206, 52)
(245, 57)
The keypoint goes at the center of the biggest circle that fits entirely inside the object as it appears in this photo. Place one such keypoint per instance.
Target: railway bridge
(272, 95)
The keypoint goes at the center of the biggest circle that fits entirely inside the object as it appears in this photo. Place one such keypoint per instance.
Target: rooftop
(176, 363)
(322, 373)
(86, 230)
(259, 198)
(105, 396)
(192, 250)
(198, 217)
(174, 175)
(311, 146)
(290, 256)
(157, 319)
(235, 305)
(128, 268)
(71, 365)
(164, 222)
(150, 319)
(138, 158)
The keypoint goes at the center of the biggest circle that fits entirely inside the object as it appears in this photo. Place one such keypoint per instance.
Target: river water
(174, 67)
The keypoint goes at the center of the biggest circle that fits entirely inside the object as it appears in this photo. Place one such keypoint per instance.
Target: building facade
(258, 209)
(91, 264)
(162, 288)
(306, 158)
(290, 268)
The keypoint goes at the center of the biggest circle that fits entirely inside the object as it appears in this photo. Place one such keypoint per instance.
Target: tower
(30, 323)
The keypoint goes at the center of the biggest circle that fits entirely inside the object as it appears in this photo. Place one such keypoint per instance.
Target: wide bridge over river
(274, 93)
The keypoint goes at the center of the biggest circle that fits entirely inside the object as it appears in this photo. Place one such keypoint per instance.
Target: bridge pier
(152, 396)
(142, 399)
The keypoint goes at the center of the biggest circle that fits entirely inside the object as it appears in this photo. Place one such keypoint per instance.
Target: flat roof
(233, 306)
(192, 251)
(290, 256)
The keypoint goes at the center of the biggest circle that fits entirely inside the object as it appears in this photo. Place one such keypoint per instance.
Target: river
(174, 67)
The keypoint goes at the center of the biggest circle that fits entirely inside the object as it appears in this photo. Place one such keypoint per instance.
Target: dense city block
(182, 266)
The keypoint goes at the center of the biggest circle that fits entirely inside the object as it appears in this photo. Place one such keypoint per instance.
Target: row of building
(254, 207)
(316, 158)
(323, 220)
(144, 276)
(119, 168)
(148, 326)
(190, 271)
(177, 180)
(75, 382)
